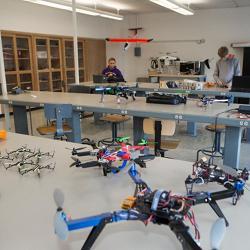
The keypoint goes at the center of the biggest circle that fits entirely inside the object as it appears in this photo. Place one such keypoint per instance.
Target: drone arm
(85, 153)
(183, 235)
(91, 221)
(212, 198)
(220, 195)
(89, 164)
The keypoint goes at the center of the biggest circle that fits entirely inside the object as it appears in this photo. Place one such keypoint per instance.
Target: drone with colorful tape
(233, 180)
(106, 156)
(158, 207)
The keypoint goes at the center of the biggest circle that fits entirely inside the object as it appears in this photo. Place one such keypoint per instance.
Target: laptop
(241, 84)
(99, 79)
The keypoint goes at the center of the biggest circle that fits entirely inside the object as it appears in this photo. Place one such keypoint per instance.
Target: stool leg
(217, 142)
(114, 131)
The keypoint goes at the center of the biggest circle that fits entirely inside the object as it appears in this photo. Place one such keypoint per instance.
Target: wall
(18, 15)
(219, 27)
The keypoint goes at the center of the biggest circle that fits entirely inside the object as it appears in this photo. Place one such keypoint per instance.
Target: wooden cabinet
(95, 53)
(69, 63)
(48, 58)
(17, 52)
(46, 63)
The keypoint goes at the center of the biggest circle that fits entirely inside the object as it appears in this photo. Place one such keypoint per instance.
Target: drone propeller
(217, 233)
(61, 228)
(75, 149)
(76, 161)
(58, 198)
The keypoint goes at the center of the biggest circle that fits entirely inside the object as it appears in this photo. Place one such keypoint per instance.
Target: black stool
(114, 120)
(216, 151)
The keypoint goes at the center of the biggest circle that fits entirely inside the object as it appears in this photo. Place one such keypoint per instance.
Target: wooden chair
(159, 128)
(56, 115)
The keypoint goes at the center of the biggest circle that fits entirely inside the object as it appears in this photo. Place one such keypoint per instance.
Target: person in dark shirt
(112, 73)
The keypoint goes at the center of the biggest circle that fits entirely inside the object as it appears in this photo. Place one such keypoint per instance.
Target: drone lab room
(124, 124)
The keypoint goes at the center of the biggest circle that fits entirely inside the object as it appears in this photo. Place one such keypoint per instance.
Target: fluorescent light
(110, 15)
(65, 5)
(174, 6)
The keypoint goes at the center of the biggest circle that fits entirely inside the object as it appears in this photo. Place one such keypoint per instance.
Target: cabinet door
(44, 81)
(69, 54)
(26, 81)
(57, 81)
(55, 56)
(9, 53)
(95, 51)
(11, 81)
(81, 54)
(70, 76)
(23, 53)
(42, 54)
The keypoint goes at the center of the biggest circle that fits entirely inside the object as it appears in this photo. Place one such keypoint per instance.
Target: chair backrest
(59, 112)
(168, 127)
(76, 88)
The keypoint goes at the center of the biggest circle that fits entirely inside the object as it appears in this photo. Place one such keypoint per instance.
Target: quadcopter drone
(234, 181)
(158, 207)
(119, 91)
(105, 157)
(27, 160)
(205, 101)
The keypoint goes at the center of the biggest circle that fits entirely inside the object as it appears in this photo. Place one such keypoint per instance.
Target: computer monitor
(187, 67)
(241, 84)
(99, 79)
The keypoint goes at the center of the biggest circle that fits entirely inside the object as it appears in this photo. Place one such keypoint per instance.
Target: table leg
(232, 147)
(192, 128)
(248, 136)
(138, 129)
(75, 124)
(20, 119)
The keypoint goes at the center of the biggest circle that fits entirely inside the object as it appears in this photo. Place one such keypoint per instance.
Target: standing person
(226, 68)
(112, 72)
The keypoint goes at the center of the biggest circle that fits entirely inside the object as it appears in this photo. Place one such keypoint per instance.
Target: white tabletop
(175, 75)
(93, 85)
(27, 208)
(139, 107)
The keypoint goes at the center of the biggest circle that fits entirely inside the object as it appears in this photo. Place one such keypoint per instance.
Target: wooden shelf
(26, 82)
(17, 56)
(20, 54)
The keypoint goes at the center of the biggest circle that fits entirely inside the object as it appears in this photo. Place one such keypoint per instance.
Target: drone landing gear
(93, 235)
(213, 204)
(182, 234)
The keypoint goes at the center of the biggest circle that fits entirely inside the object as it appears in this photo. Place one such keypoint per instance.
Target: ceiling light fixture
(129, 40)
(174, 6)
(65, 5)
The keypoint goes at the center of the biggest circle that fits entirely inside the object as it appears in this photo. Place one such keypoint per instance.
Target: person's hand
(220, 83)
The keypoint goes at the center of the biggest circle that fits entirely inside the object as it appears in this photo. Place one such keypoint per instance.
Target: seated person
(226, 68)
(112, 73)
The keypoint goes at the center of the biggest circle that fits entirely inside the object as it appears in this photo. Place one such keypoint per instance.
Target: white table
(139, 109)
(27, 208)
